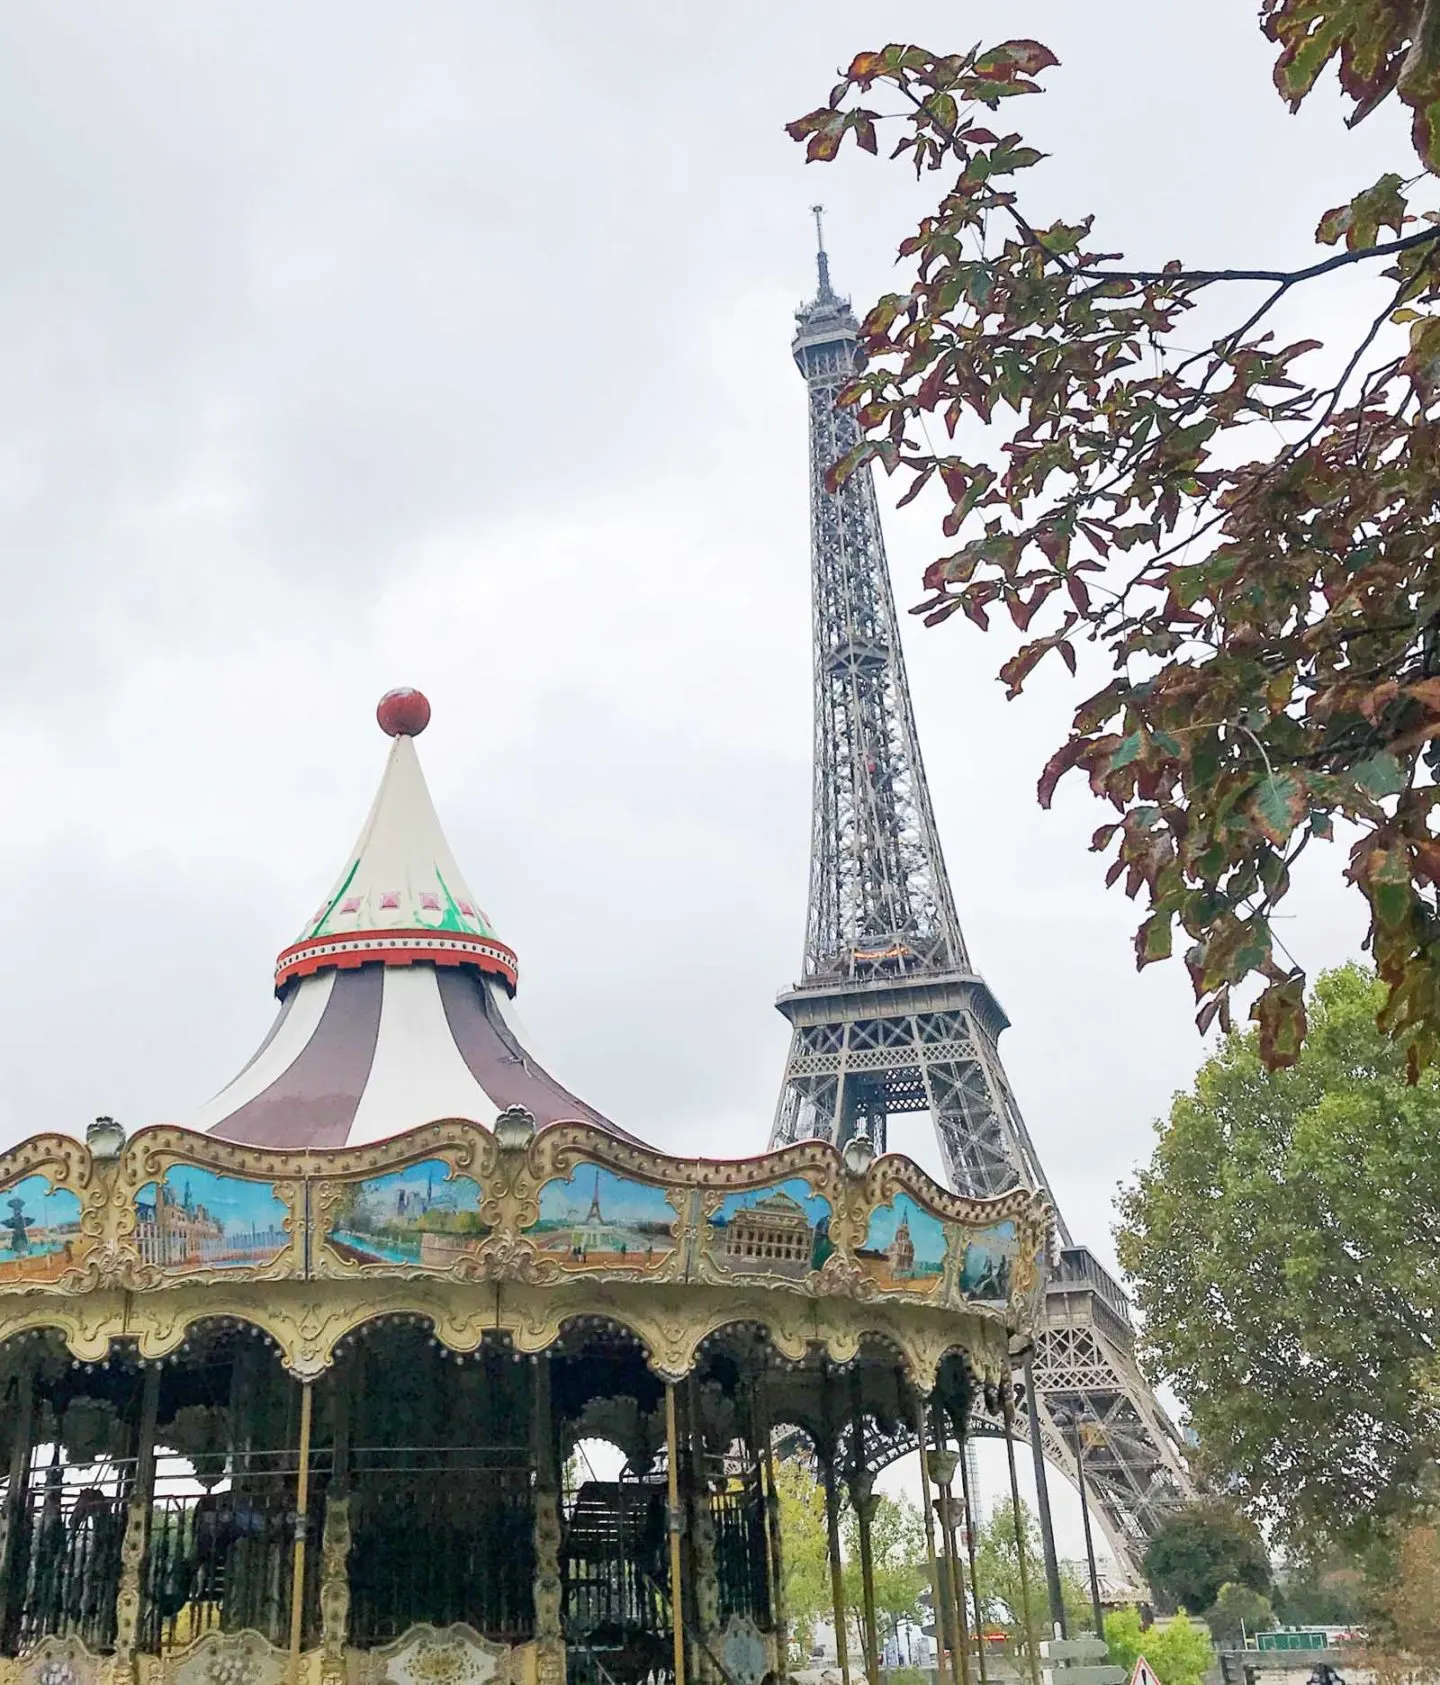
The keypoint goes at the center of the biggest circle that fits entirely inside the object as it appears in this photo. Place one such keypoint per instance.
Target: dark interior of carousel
(415, 1484)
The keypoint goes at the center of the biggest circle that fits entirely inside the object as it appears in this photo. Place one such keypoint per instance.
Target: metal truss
(889, 1015)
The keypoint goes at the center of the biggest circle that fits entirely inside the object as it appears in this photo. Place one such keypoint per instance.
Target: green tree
(1282, 1245)
(1201, 1549)
(1405, 1609)
(1179, 1650)
(1328, 1591)
(901, 1567)
(1239, 1611)
(1246, 535)
(805, 1552)
(997, 1573)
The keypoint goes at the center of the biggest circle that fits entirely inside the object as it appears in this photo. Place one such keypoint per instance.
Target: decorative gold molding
(493, 1277)
(429, 1655)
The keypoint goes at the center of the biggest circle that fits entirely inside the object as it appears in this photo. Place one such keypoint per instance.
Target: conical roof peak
(394, 1003)
(401, 896)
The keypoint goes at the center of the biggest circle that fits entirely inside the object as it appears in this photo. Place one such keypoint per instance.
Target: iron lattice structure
(889, 1015)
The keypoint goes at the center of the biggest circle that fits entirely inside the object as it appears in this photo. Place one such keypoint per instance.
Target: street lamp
(1074, 1419)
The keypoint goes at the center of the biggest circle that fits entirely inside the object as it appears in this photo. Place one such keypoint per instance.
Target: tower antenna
(822, 259)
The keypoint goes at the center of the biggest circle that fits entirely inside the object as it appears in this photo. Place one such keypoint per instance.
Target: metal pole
(947, 1536)
(302, 1504)
(672, 1458)
(837, 1575)
(832, 1529)
(772, 1527)
(16, 1494)
(957, 1580)
(969, 1521)
(937, 1586)
(863, 1500)
(1042, 1499)
(128, 1597)
(1022, 1552)
(1089, 1542)
(548, 1592)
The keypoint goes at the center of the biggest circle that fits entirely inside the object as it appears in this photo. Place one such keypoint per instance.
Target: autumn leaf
(1279, 805)
(1280, 1013)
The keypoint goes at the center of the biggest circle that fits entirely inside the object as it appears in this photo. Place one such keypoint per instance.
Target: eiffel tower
(890, 1015)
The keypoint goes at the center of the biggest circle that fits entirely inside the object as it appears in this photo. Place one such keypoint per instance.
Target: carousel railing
(67, 1526)
(616, 1619)
(222, 1537)
(441, 1534)
(737, 1510)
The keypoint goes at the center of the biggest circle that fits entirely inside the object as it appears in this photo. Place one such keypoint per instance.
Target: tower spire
(822, 258)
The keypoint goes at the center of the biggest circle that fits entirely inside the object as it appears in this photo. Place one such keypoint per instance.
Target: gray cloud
(344, 346)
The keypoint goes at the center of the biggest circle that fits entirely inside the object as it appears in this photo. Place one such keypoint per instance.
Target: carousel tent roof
(395, 1002)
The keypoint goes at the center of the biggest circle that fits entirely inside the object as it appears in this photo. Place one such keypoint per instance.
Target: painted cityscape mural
(204, 1219)
(424, 1214)
(39, 1230)
(989, 1263)
(782, 1230)
(904, 1246)
(597, 1219)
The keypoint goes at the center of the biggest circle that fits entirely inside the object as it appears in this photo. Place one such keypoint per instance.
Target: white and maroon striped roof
(395, 1001)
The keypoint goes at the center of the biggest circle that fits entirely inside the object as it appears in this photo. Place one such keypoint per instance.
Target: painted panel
(39, 1230)
(596, 1219)
(989, 1263)
(422, 1215)
(781, 1230)
(195, 1219)
(904, 1247)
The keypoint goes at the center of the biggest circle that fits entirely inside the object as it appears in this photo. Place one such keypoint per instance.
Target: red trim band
(396, 947)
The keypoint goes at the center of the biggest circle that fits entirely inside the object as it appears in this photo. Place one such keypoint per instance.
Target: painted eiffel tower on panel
(890, 1015)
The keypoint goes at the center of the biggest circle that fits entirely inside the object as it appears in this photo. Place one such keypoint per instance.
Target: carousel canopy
(395, 1001)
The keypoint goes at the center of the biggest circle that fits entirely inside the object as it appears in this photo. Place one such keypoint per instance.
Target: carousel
(292, 1393)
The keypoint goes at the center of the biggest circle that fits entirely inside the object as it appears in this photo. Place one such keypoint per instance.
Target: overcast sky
(353, 345)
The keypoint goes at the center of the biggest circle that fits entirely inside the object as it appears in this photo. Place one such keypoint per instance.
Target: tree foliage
(1179, 1651)
(1330, 1590)
(898, 1556)
(997, 1575)
(805, 1557)
(1284, 1248)
(900, 1566)
(1239, 1611)
(1200, 1550)
(1406, 1610)
(1243, 525)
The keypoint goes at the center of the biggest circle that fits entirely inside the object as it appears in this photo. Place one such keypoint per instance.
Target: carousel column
(939, 1585)
(302, 1511)
(864, 1500)
(13, 1519)
(967, 1520)
(828, 1451)
(335, 1543)
(702, 1534)
(137, 1526)
(774, 1558)
(675, 1528)
(1022, 1554)
(942, 1470)
(549, 1640)
(1042, 1499)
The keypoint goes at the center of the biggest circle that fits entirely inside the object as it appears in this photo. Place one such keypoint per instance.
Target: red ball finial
(403, 712)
